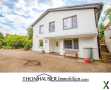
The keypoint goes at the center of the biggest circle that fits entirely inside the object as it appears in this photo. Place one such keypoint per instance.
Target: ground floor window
(68, 44)
(75, 44)
(41, 44)
(71, 44)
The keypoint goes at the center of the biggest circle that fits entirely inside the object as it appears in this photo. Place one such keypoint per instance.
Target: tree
(1, 36)
(101, 25)
(1, 40)
(102, 28)
(108, 12)
(30, 32)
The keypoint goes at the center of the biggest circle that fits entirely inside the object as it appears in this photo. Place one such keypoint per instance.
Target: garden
(16, 41)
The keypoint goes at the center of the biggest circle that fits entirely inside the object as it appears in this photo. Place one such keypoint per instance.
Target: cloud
(18, 15)
(21, 13)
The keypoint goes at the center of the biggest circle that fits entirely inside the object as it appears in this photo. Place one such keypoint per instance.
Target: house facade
(71, 29)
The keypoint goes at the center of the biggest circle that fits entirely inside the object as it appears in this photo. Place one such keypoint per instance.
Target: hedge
(16, 42)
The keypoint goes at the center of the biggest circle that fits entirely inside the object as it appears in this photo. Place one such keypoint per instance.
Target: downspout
(97, 16)
(99, 49)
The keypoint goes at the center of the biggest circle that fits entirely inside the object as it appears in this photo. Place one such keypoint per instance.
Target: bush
(1, 44)
(1, 40)
(6, 47)
(1, 36)
(28, 44)
(18, 44)
(15, 41)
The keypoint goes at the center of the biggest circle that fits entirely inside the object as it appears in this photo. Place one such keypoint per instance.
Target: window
(52, 26)
(68, 44)
(41, 44)
(76, 46)
(71, 44)
(70, 22)
(74, 21)
(41, 29)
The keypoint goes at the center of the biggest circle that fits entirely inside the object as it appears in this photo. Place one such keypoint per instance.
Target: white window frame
(50, 26)
(41, 29)
(72, 20)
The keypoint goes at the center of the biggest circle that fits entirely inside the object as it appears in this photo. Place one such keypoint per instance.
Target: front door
(56, 46)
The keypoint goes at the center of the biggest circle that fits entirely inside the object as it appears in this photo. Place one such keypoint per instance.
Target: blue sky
(17, 15)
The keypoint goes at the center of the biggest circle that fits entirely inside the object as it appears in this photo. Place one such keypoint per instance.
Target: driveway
(28, 61)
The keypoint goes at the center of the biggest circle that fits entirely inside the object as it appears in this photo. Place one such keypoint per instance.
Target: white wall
(85, 19)
(86, 25)
(88, 43)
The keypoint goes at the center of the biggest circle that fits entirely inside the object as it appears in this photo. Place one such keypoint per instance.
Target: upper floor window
(70, 22)
(41, 29)
(52, 26)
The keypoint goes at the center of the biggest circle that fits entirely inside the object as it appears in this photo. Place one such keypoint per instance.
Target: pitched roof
(75, 7)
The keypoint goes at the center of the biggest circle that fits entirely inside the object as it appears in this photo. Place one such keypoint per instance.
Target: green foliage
(101, 32)
(28, 44)
(108, 13)
(1, 36)
(6, 47)
(30, 32)
(14, 41)
(1, 40)
(1, 43)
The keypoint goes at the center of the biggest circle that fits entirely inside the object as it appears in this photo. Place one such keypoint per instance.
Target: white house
(71, 29)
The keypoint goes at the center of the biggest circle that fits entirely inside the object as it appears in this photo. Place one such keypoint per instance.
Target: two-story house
(71, 29)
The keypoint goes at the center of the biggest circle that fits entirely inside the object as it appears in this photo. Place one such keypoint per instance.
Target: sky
(17, 15)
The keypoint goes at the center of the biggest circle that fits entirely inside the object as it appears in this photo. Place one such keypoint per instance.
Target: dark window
(70, 22)
(74, 21)
(71, 44)
(41, 44)
(52, 26)
(68, 44)
(41, 29)
(75, 43)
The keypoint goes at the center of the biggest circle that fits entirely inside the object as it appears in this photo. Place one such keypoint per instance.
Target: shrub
(18, 44)
(1, 40)
(7, 47)
(1, 36)
(15, 41)
(1, 44)
(28, 44)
